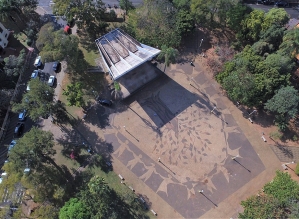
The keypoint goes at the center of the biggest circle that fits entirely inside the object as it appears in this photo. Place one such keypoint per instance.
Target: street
(292, 12)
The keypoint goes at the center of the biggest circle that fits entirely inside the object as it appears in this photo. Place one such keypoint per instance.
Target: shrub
(276, 135)
(297, 169)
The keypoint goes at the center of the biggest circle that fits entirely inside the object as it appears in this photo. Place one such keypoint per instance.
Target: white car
(51, 80)
(11, 145)
(34, 74)
(38, 62)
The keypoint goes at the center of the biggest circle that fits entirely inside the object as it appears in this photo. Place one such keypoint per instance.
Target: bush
(297, 169)
(276, 135)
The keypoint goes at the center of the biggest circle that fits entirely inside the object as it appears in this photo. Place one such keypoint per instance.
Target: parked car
(281, 4)
(38, 61)
(42, 76)
(51, 80)
(22, 115)
(27, 88)
(268, 2)
(11, 145)
(19, 129)
(105, 102)
(35, 74)
(56, 66)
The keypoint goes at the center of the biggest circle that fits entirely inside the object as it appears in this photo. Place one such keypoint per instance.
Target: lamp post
(200, 43)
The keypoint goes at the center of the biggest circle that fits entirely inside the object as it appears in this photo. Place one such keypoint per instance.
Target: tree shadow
(79, 137)
(193, 44)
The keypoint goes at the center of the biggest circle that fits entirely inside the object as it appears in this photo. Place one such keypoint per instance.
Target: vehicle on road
(19, 129)
(22, 115)
(267, 2)
(35, 74)
(51, 80)
(11, 145)
(38, 61)
(56, 66)
(281, 4)
(105, 102)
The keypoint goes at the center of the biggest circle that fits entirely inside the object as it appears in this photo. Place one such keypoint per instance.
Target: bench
(120, 176)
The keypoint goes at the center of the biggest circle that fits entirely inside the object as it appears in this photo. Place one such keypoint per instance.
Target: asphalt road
(112, 2)
(292, 12)
(45, 5)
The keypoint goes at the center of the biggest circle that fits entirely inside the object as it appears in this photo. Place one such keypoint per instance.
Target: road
(293, 13)
(44, 6)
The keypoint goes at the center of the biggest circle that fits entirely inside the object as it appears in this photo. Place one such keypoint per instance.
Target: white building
(4, 34)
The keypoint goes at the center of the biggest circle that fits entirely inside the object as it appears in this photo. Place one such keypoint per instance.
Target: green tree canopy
(74, 94)
(236, 14)
(14, 65)
(240, 86)
(275, 16)
(38, 101)
(184, 21)
(155, 24)
(126, 5)
(252, 26)
(168, 54)
(284, 102)
(273, 35)
(280, 199)
(56, 45)
(290, 44)
(74, 209)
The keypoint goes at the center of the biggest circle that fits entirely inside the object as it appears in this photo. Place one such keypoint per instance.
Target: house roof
(122, 53)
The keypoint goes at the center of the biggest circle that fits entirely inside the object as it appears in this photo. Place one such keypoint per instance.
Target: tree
(48, 180)
(275, 16)
(155, 24)
(33, 149)
(168, 54)
(252, 26)
(38, 101)
(14, 65)
(184, 21)
(290, 44)
(236, 14)
(240, 86)
(46, 211)
(56, 45)
(126, 5)
(280, 199)
(89, 14)
(284, 102)
(74, 94)
(74, 209)
(273, 35)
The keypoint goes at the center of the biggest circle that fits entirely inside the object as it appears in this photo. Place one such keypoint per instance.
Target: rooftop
(122, 53)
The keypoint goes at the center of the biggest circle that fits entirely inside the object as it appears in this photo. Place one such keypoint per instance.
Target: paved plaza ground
(174, 118)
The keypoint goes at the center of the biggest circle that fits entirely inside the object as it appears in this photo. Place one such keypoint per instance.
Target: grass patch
(62, 160)
(89, 56)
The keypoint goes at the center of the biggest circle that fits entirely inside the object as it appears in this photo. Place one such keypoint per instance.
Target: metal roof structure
(122, 53)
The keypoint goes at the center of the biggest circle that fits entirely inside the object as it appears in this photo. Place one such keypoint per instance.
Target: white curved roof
(122, 53)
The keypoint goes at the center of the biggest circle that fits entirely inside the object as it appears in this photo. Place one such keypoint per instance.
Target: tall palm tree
(169, 55)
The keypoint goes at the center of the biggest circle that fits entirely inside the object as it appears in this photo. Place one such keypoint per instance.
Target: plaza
(180, 139)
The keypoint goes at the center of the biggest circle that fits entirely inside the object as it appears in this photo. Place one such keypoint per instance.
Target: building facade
(4, 34)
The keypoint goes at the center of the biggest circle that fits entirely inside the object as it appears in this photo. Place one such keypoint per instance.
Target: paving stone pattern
(196, 146)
